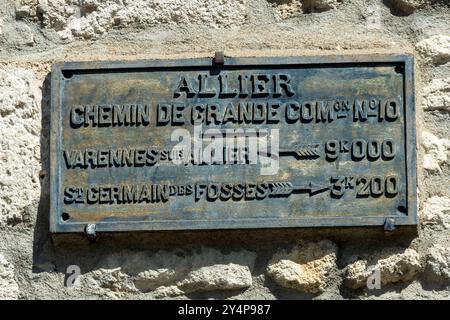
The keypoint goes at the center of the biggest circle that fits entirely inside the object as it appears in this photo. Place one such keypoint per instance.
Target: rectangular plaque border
(116, 225)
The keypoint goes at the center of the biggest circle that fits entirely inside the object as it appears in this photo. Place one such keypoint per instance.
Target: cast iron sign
(233, 143)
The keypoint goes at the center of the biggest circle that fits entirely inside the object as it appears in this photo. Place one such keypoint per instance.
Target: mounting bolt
(90, 230)
(219, 58)
(389, 224)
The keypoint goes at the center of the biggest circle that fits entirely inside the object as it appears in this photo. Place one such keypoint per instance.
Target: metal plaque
(233, 143)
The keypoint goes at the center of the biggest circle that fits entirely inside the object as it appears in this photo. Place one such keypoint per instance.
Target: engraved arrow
(312, 188)
(307, 151)
(280, 189)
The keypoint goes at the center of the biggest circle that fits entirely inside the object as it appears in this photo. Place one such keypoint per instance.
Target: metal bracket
(219, 58)
(90, 231)
(389, 224)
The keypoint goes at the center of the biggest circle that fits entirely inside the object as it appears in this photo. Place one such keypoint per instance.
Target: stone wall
(266, 264)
